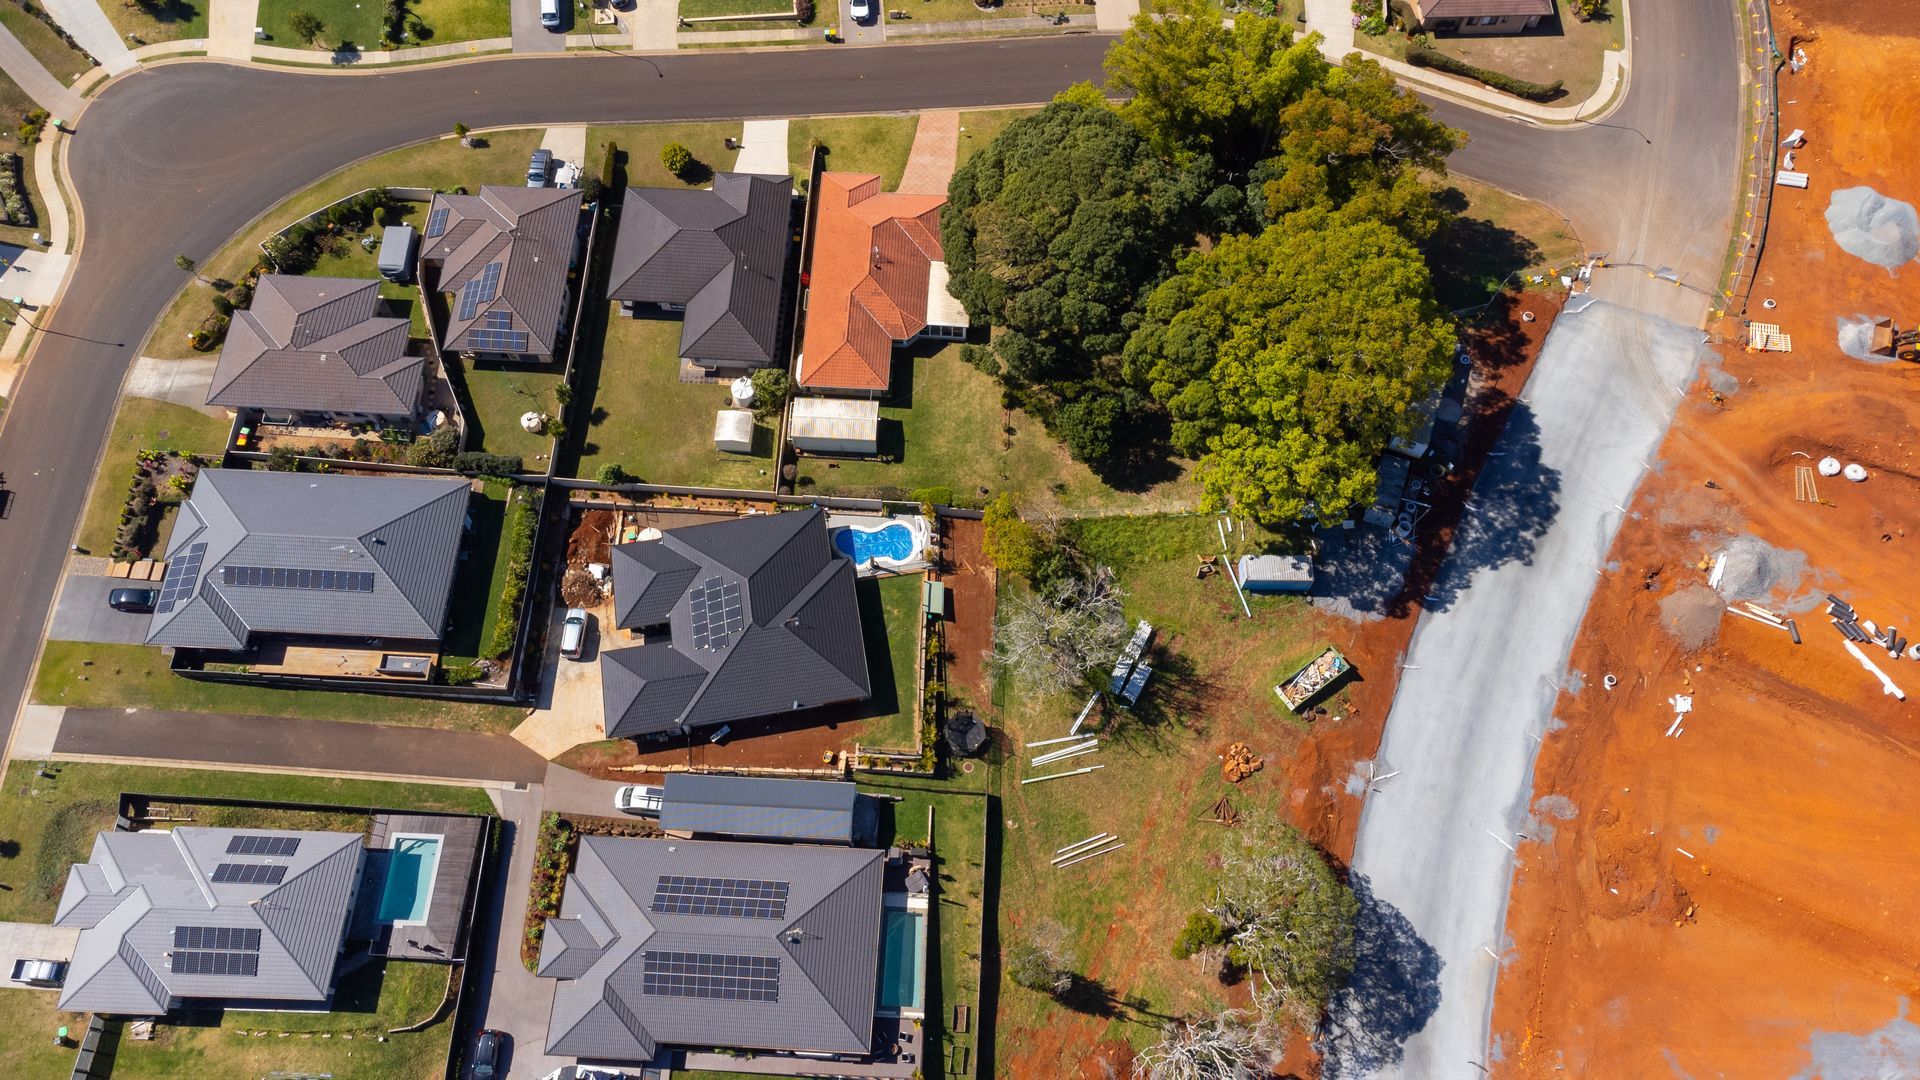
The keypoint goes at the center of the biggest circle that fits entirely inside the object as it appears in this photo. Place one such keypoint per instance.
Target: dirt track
(1739, 900)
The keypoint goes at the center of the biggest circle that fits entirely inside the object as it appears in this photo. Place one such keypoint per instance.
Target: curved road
(179, 158)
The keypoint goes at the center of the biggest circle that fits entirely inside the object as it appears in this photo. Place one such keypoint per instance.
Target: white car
(642, 799)
(862, 11)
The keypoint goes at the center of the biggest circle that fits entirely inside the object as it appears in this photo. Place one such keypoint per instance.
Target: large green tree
(1194, 85)
(1289, 359)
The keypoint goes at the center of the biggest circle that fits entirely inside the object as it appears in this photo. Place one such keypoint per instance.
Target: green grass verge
(949, 429)
(639, 415)
(441, 164)
(141, 424)
(361, 21)
(1495, 234)
(857, 144)
(89, 676)
(50, 823)
(62, 61)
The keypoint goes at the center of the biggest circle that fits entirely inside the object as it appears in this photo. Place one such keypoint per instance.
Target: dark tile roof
(826, 944)
(317, 345)
(529, 233)
(795, 641)
(721, 253)
(1467, 9)
(404, 532)
(751, 807)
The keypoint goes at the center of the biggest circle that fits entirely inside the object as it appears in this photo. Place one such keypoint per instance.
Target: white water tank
(743, 392)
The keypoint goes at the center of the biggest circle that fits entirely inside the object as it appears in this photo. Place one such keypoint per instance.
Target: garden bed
(161, 482)
(553, 856)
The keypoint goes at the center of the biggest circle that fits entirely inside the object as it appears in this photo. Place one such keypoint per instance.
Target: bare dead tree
(1225, 1047)
(1054, 639)
(1044, 962)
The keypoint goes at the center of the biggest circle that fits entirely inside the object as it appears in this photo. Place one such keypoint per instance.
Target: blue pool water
(888, 542)
(411, 867)
(901, 945)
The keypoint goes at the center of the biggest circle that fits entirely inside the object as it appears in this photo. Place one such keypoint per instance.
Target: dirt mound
(1867, 224)
(1691, 616)
(579, 589)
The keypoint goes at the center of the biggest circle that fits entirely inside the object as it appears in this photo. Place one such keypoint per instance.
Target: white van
(550, 14)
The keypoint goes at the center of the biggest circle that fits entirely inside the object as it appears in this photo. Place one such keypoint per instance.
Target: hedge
(523, 515)
(1532, 91)
(476, 463)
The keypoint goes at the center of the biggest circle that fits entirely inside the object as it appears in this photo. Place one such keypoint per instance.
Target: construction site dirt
(1732, 890)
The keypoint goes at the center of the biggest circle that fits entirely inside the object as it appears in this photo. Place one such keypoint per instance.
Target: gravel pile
(1855, 337)
(1867, 224)
(1756, 568)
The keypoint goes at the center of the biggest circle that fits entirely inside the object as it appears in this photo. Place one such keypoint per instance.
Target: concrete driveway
(530, 37)
(35, 941)
(871, 33)
(82, 613)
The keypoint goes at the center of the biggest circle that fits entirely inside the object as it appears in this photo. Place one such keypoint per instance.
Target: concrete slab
(654, 26)
(1114, 14)
(30, 274)
(36, 941)
(183, 382)
(1432, 862)
(872, 33)
(34, 735)
(763, 148)
(569, 711)
(81, 613)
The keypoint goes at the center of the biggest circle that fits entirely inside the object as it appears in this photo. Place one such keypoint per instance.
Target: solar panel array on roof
(245, 939)
(718, 613)
(437, 222)
(248, 874)
(710, 975)
(183, 577)
(263, 845)
(495, 333)
(479, 290)
(214, 963)
(289, 577)
(738, 898)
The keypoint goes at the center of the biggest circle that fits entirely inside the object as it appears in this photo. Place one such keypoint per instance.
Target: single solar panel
(720, 976)
(737, 898)
(246, 844)
(437, 222)
(228, 873)
(216, 937)
(184, 962)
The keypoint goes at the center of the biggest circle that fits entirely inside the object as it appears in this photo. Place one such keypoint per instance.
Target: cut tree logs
(1239, 763)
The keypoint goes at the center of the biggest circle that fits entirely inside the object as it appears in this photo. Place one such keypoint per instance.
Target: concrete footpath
(25, 69)
(90, 27)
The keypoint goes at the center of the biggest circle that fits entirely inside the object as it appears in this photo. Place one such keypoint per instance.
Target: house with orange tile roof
(877, 280)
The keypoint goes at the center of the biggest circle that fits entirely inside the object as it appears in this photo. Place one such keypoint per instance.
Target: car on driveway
(862, 11)
(642, 799)
(487, 1051)
(134, 601)
(573, 634)
(540, 169)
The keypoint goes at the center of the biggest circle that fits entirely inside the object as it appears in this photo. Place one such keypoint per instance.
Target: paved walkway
(763, 148)
(25, 68)
(230, 26)
(936, 145)
(90, 27)
(183, 382)
(281, 744)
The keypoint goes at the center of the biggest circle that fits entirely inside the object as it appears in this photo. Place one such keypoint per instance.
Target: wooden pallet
(1766, 337)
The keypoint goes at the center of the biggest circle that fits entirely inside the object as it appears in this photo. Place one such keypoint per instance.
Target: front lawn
(640, 144)
(857, 144)
(49, 823)
(141, 424)
(639, 415)
(441, 164)
(700, 9)
(362, 21)
(1559, 48)
(949, 430)
(161, 20)
(977, 129)
(90, 676)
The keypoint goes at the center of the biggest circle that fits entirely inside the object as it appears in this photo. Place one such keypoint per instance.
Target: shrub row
(1532, 91)
(523, 517)
(13, 194)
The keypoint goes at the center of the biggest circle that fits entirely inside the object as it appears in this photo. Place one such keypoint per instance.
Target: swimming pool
(903, 945)
(412, 865)
(891, 544)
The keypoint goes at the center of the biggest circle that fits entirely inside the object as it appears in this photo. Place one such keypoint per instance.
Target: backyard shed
(397, 243)
(835, 426)
(733, 431)
(1275, 573)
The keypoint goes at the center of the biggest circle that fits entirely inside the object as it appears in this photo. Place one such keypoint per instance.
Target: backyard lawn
(50, 823)
(640, 145)
(159, 20)
(890, 621)
(360, 21)
(441, 164)
(857, 144)
(494, 398)
(927, 11)
(62, 61)
(949, 430)
(82, 675)
(480, 579)
(1212, 686)
(638, 414)
(1565, 49)
(141, 424)
(351, 259)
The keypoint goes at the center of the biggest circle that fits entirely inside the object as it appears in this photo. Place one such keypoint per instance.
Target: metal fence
(1762, 60)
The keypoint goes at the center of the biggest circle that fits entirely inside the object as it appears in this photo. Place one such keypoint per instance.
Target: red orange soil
(967, 572)
(1781, 816)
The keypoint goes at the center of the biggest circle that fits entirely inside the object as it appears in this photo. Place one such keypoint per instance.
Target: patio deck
(444, 936)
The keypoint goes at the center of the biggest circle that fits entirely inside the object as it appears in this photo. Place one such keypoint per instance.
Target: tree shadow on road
(1394, 991)
(1514, 502)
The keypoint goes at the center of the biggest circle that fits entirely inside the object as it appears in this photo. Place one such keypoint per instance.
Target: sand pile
(1756, 568)
(1867, 224)
(1855, 336)
(1691, 616)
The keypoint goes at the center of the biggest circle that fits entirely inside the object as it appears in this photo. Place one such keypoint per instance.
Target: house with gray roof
(193, 915)
(309, 555)
(319, 349)
(663, 943)
(719, 256)
(740, 619)
(502, 257)
(711, 805)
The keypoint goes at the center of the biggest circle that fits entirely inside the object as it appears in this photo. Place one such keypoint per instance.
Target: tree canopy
(1289, 359)
(1289, 919)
